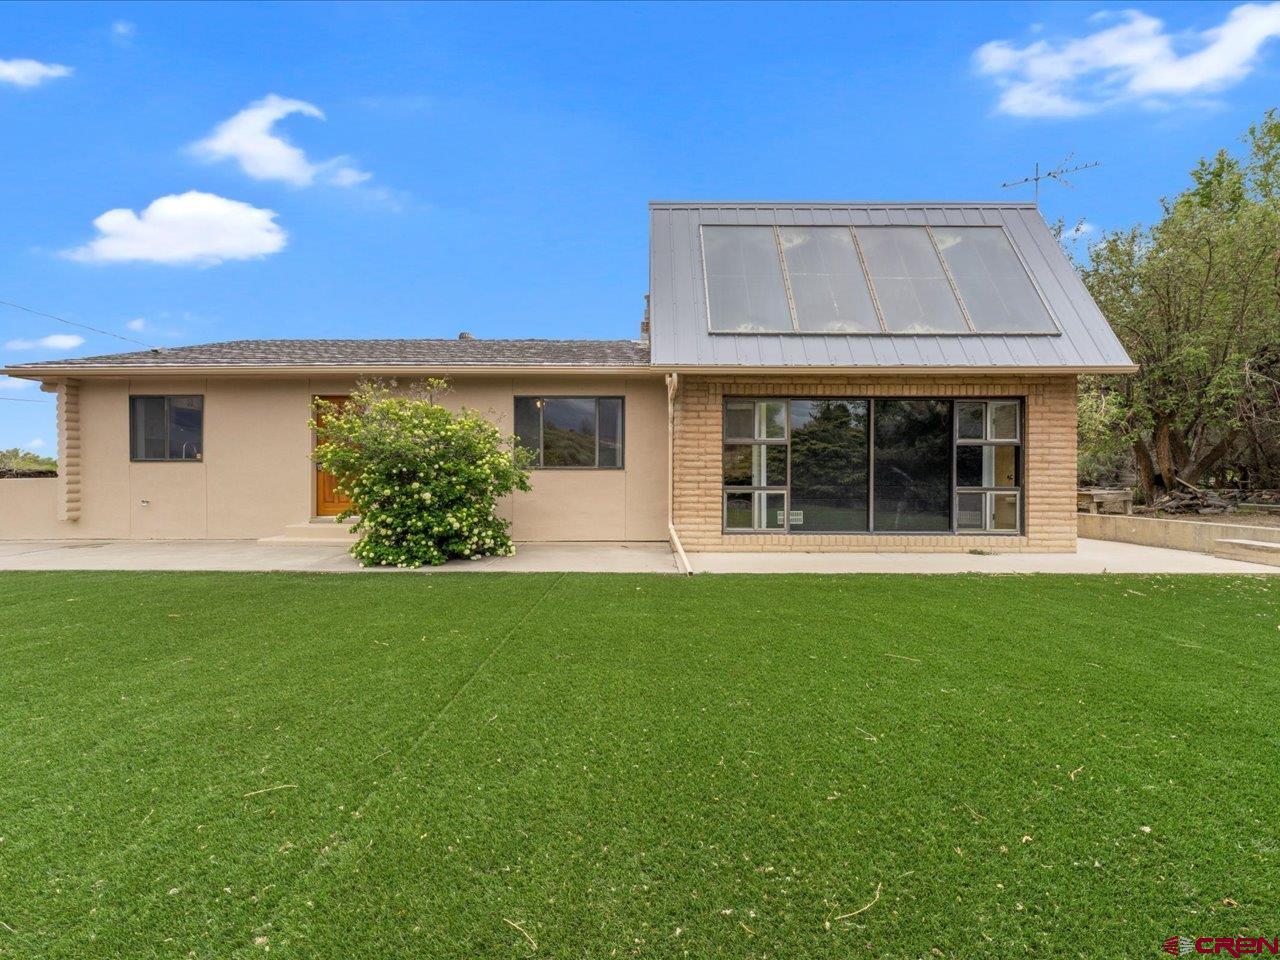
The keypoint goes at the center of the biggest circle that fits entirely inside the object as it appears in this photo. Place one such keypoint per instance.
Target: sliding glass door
(854, 465)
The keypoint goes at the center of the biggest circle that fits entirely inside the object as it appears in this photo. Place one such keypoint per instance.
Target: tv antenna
(1058, 173)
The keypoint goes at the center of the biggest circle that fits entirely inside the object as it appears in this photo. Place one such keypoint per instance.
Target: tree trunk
(1164, 454)
(1146, 470)
(1211, 457)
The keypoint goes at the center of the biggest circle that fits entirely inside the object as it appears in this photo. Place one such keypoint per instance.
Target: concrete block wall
(1049, 461)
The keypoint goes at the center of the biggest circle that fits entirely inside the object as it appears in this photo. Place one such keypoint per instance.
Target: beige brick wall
(1049, 461)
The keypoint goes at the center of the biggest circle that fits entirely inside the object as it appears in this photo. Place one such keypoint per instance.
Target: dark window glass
(912, 466)
(828, 465)
(971, 420)
(166, 428)
(987, 465)
(186, 428)
(571, 431)
(737, 511)
(568, 432)
(610, 412)
(755, 465)
(529, 427)
(740, 419)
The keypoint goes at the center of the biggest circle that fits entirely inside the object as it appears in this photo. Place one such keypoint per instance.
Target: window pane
(912, 465)
(971, 511)
(914, 294)
(755, 465)
(971, 417)
(569, 432)
(994, 285)
(827, 282)
(828, 465)
(740, 419)
(186, 428)
(149, 430)
(1004, 420)
(987, 465)
(771, 423)
(1004, 511)
(744, 280)
(529, 427)
(610, 412)
(771, 511)
(737, 511)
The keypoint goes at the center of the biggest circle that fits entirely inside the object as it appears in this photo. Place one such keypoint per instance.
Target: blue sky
(413, 171)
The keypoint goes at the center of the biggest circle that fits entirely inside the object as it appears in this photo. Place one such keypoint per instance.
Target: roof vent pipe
(465, 336)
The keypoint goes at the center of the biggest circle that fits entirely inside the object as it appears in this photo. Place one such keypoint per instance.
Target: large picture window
(571, 432)
(166, 428)
(849, 465)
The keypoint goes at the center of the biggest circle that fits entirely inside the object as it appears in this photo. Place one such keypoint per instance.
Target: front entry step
(321, 530)
(1253, 551)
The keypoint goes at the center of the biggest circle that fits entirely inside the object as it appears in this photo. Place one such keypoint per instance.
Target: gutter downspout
(677, 548)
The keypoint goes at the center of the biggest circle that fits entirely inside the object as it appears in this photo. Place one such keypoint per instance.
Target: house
(812, 377)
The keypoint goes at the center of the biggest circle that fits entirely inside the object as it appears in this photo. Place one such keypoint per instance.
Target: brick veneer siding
(1049, 461)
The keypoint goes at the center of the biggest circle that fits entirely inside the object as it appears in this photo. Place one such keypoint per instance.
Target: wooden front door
(329, 502)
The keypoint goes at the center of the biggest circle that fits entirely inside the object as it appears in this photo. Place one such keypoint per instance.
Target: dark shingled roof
(376, 353)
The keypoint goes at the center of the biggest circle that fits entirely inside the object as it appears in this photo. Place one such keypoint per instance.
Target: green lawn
(345, 767)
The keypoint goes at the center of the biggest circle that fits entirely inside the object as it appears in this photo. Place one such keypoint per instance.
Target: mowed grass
(464, 766)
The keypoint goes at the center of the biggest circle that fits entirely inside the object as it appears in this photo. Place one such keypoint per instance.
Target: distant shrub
(423, 481)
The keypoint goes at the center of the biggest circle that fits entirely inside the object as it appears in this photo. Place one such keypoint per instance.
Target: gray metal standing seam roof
(679, 322)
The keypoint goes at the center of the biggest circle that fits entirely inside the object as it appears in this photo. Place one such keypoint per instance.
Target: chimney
(644, 324)
(465, 336)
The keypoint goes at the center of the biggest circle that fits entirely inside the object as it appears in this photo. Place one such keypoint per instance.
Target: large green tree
(1195, 298)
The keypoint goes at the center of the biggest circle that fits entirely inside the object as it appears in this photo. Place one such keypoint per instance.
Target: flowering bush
(423, 481)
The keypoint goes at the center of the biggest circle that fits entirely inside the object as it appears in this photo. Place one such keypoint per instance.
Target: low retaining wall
(1173, 534)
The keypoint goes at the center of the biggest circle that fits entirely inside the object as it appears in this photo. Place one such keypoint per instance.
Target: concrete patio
(1094, 556)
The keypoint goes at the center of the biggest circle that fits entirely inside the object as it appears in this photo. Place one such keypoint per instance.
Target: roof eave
(42, 372)
(231, 370)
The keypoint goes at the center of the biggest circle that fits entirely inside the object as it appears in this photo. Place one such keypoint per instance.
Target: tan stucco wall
(256, 477)
(1049, 458)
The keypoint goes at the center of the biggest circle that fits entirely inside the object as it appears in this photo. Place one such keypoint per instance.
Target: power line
(24, 400)
(73, 323)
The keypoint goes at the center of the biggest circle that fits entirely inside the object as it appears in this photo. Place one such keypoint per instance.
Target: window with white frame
(988, 465)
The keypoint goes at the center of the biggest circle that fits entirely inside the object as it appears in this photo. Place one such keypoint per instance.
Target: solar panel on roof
(914, 280)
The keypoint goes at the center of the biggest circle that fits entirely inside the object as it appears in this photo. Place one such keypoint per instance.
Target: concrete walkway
(316, 557)
(1091, 556)
(1094, 556)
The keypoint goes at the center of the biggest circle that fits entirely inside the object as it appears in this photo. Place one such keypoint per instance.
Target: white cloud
(137, 325)
(1081, 230)
(30, 73)
(123, 30)
(36, 444)
(1130, 58)
(55, 341)
(13, 383)
(249, 138)
(191, 227)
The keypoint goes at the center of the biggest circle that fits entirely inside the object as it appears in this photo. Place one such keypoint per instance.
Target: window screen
(166, 428)
(995, 287)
